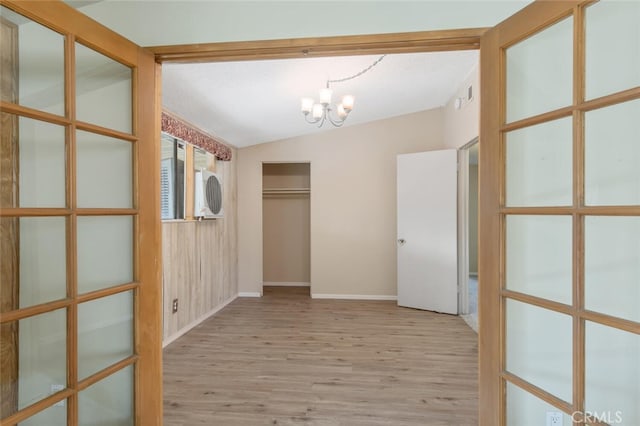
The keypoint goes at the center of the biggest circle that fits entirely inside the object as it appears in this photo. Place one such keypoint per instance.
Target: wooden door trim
(148, 297)
(409, 42)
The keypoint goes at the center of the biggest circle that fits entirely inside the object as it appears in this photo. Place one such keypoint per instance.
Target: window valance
(189, 134)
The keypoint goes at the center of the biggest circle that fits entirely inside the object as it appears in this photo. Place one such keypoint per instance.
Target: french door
(80, 301)
(560, 216)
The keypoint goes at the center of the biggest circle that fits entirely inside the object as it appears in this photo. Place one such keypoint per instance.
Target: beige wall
(473, 218)
(286, 249)
(200, 261)
(462, 125)
(353, 201)
(285, 175)
(285, 222)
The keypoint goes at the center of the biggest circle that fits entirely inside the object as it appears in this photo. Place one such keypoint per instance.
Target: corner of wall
(462, 120)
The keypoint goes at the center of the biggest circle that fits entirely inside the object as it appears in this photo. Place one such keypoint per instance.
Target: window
(180, 162)
(172, 178)
(201, 159)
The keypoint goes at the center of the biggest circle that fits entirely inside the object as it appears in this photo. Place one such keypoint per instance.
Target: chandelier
(324, 111)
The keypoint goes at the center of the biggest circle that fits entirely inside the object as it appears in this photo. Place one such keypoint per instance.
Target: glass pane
(43, 272)
(167, 178)
(108, 402)
(612, 47)
(612, 266)
(52, 416)
(172, 178)
(105, 251)
(105, 332)
(524, 409)
(539, 347)
(32, 64)
(539, 256)
(105, 175)
(540, 72)
(200, 159)
(103, 90)
(33, 152)
(612, 155)
(612, 374)
(539, 165)
(35, 349)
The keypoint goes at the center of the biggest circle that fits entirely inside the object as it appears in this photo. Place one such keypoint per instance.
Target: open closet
(286, 193)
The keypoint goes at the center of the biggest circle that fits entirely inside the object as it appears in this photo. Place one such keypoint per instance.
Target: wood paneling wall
(200, 262)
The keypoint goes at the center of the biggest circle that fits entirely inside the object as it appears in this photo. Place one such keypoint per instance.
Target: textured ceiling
(247, 103)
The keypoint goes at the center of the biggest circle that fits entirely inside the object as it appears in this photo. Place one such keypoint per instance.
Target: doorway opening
(468, 232)
(286, 228)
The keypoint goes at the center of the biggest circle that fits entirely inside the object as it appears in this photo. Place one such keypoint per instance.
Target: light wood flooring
(287, 359)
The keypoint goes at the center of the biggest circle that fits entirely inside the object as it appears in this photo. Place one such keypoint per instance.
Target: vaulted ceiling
(247, 103)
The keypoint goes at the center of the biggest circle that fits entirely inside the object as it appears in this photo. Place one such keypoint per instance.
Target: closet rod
(266, 190)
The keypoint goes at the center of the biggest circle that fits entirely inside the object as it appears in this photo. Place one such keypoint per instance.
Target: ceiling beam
(412, 42)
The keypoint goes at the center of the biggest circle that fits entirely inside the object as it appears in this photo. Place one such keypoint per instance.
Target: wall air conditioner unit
(208, 195)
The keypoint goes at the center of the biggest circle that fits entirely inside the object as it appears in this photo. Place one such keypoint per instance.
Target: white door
(427, 236)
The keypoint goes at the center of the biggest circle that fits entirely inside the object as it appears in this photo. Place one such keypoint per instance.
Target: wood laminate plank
(287, 359)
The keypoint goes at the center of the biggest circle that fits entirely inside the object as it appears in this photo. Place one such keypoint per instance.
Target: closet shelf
(286, 191)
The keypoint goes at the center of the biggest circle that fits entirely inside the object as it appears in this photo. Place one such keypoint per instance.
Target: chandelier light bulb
(318, 111)
(342, 113)
(306, 105)
(325, 96)
(347, 102)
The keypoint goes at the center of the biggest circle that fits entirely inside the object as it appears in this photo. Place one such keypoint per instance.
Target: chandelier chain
(340, 80)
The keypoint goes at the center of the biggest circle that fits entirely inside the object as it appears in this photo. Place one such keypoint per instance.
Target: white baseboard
(249, 294)
(166, 342)
(353, 296)
(471, 320)
(285, 284)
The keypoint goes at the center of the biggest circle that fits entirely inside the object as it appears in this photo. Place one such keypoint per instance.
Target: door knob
(401, 241)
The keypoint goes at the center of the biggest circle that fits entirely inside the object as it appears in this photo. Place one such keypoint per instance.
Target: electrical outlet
(57, 388)
(554, 418)
(174, 307)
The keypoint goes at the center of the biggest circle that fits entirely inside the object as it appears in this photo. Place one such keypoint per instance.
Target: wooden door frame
(313, 47)
(145, 136)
